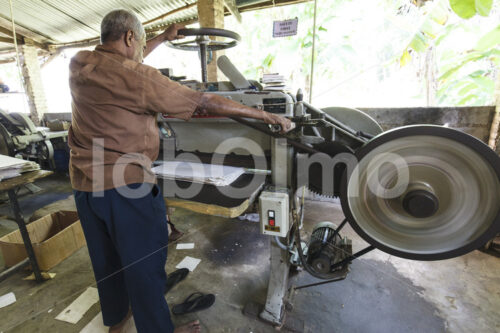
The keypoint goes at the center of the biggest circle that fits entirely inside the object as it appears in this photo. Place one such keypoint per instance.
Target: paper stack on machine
(274, 81)
(218, 175)
(13, 167)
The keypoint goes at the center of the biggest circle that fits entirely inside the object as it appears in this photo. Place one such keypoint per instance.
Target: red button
(271, 223)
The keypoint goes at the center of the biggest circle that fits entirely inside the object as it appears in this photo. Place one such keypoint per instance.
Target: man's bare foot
(118, 327)
(192, 327)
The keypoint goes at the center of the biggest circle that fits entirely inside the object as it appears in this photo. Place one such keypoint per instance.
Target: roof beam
(170, 13)
(21, 39)
(9, 40)
(24, 32)
(233, 9)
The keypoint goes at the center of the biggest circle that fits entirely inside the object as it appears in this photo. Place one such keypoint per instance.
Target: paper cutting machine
(447, 207)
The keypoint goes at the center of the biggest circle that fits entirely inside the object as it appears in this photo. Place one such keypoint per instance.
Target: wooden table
(11, 186)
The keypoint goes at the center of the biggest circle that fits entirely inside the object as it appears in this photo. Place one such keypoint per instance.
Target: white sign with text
(285, 28)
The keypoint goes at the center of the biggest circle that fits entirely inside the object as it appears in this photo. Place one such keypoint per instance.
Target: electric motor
(326, 248)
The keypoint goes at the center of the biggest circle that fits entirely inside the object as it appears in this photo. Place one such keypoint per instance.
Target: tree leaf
(464, 8)
(321, 28)
(419, 42)
(467, 88)
(483, 7)
(405, 58)
(485, 83)
(489, 40)
(464, 100)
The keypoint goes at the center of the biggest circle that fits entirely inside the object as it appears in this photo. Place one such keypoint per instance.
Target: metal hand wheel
(202, 43)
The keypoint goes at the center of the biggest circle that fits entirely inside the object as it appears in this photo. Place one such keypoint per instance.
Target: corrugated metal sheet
(66, 21)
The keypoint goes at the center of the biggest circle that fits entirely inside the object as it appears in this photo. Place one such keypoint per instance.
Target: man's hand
(172, 32)
(273, 119)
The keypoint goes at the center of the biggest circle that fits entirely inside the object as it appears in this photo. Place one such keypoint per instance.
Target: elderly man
(113, 139)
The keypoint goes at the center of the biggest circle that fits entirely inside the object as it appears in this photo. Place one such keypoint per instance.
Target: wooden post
(211, 15)
(492, 142)
(33, 82)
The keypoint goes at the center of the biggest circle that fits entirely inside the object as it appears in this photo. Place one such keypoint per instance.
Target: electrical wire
(14, 36)
(311, 80)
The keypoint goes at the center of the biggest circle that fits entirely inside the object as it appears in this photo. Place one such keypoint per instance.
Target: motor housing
(326, 248)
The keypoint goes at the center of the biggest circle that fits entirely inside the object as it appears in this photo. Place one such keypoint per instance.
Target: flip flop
(195, 302)
(175, 277)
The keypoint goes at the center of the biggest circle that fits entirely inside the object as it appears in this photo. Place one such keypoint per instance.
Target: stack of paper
(274, 81)
(218, 175)
(13, 167)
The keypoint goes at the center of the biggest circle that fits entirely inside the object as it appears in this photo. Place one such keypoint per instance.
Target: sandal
(175, 277)
(195, 302)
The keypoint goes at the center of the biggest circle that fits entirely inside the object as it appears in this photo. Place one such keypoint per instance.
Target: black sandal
(195, 302)
(175, 277)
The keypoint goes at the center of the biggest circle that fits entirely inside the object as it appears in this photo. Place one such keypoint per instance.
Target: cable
(14, 36)
(312, 52)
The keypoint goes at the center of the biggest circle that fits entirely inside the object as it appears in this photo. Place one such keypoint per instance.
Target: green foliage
(376, 47)
(490, 40)
(468, 8)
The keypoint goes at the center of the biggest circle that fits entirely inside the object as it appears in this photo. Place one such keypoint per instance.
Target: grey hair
(118, 22)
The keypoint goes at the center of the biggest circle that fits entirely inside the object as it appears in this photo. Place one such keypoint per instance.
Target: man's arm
(168, 35)
(220, 106)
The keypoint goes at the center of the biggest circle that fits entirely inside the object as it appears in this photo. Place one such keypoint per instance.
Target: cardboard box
(54, 237)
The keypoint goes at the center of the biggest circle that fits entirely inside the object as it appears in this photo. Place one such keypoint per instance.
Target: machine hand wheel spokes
(203, 43)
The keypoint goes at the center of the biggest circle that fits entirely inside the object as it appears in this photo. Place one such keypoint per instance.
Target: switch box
(274, 213)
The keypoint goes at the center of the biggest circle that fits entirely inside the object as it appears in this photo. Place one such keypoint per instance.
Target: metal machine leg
(24, 233)
(278, 285)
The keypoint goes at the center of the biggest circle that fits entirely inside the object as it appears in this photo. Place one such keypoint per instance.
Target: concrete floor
(381, 293)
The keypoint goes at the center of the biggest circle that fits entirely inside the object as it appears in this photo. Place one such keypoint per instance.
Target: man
(113, 139)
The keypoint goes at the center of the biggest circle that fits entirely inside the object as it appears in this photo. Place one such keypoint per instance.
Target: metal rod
(320, 283)
(294, 143)
(331, 119)
(203, 58)
(353, 256)
(24, 233)
(8, 272)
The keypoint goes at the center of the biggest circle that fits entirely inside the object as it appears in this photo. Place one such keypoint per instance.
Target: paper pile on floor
(189, 263)
(218, 175)
(184, 246)
(13, 167)
(7, 299)
(75, 311)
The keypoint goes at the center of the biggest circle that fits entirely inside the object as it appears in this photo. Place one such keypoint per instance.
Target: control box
(274, 213)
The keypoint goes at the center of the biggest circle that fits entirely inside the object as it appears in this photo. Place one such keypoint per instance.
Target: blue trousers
(127, 240)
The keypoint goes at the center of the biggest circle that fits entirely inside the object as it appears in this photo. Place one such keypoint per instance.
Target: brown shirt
(114, 134)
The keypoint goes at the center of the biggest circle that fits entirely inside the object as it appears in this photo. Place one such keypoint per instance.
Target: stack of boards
(12, 167)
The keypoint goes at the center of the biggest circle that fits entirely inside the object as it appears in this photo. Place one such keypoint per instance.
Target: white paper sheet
(184, 246)
(189, 263)
(7, 299)
(75, 311)
(12, 167)
(218, 175)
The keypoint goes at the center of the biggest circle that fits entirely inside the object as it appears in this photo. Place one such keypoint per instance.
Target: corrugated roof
(59, 22)
(64, 21)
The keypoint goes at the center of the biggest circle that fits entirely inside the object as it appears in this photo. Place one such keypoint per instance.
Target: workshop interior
(364, 219)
